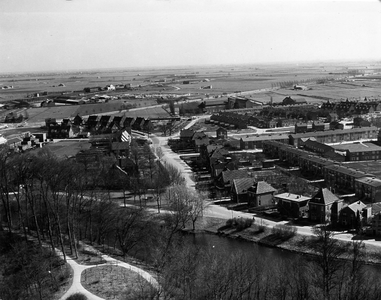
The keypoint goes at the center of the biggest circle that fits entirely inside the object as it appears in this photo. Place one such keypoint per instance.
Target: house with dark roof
(301, 127)
(317, 147)
(199, 139)
(92, 122)
(221, 133)
(186, 135)
(226, 177)
(128, 122)
(139, 124)
(240, 186)
(261, 194)
(292, 205)
(325, 207)
(290, 101)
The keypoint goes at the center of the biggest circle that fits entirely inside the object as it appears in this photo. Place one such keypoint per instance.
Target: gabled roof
(376, 207)
(242, 184)
(14, 140)
(229, 175)
(262, 187)
(324, 196)
(356, 206)
(315, 144)
(199, 135)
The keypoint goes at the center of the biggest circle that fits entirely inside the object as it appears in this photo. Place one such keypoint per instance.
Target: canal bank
(266, 238)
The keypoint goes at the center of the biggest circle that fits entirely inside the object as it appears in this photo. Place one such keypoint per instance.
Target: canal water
(222, 245)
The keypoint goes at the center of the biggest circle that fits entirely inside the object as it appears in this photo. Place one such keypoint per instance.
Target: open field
(113, 282)
(68, 148)
(224, 79)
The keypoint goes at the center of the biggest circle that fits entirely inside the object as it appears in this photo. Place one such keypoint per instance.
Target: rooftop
(358, 147)
(372, 181)
(243, 184)
(331, 132)
(292, 197)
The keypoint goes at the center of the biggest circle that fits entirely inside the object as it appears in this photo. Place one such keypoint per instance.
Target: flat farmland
(222, 78)
(318, 93)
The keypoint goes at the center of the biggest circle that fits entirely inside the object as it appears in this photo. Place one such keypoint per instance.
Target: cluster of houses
(95, 124)
(26, 141)
(347, 107)
(252, 189)
(338, 176)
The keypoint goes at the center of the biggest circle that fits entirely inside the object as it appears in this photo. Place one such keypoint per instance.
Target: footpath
(77, 287)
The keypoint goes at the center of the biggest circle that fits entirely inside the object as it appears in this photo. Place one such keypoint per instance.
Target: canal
(223, 245)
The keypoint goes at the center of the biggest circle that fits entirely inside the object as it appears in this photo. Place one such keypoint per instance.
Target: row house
(313, 165)
(256, 141)
(338, 176)
(359, 151)
(231, 120)
(317, 147)
(368, 188)
(336, 136)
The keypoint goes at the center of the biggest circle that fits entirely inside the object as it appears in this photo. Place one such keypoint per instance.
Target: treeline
(62, 201)
(291, 83)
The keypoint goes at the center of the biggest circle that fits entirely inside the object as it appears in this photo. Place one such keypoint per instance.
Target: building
(336, 136)
(199, 139)
(368, 189)
(240, 188)
(301, 127)
(290, 101)
(359, 151)
(256, 141)
(221, 133)
(352, 215)
(324, 207)
(226, 177)
(317, 147)
(292, 205)
(261, 194)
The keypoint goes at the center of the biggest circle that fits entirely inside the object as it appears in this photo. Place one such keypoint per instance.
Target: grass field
(68, 148)
(113, 282)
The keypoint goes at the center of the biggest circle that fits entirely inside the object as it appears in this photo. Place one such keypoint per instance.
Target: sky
(50, 35)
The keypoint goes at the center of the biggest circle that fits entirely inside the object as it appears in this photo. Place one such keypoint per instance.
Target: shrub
(284, 232)
(261, 228)
(77, 296)
(239, 223)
